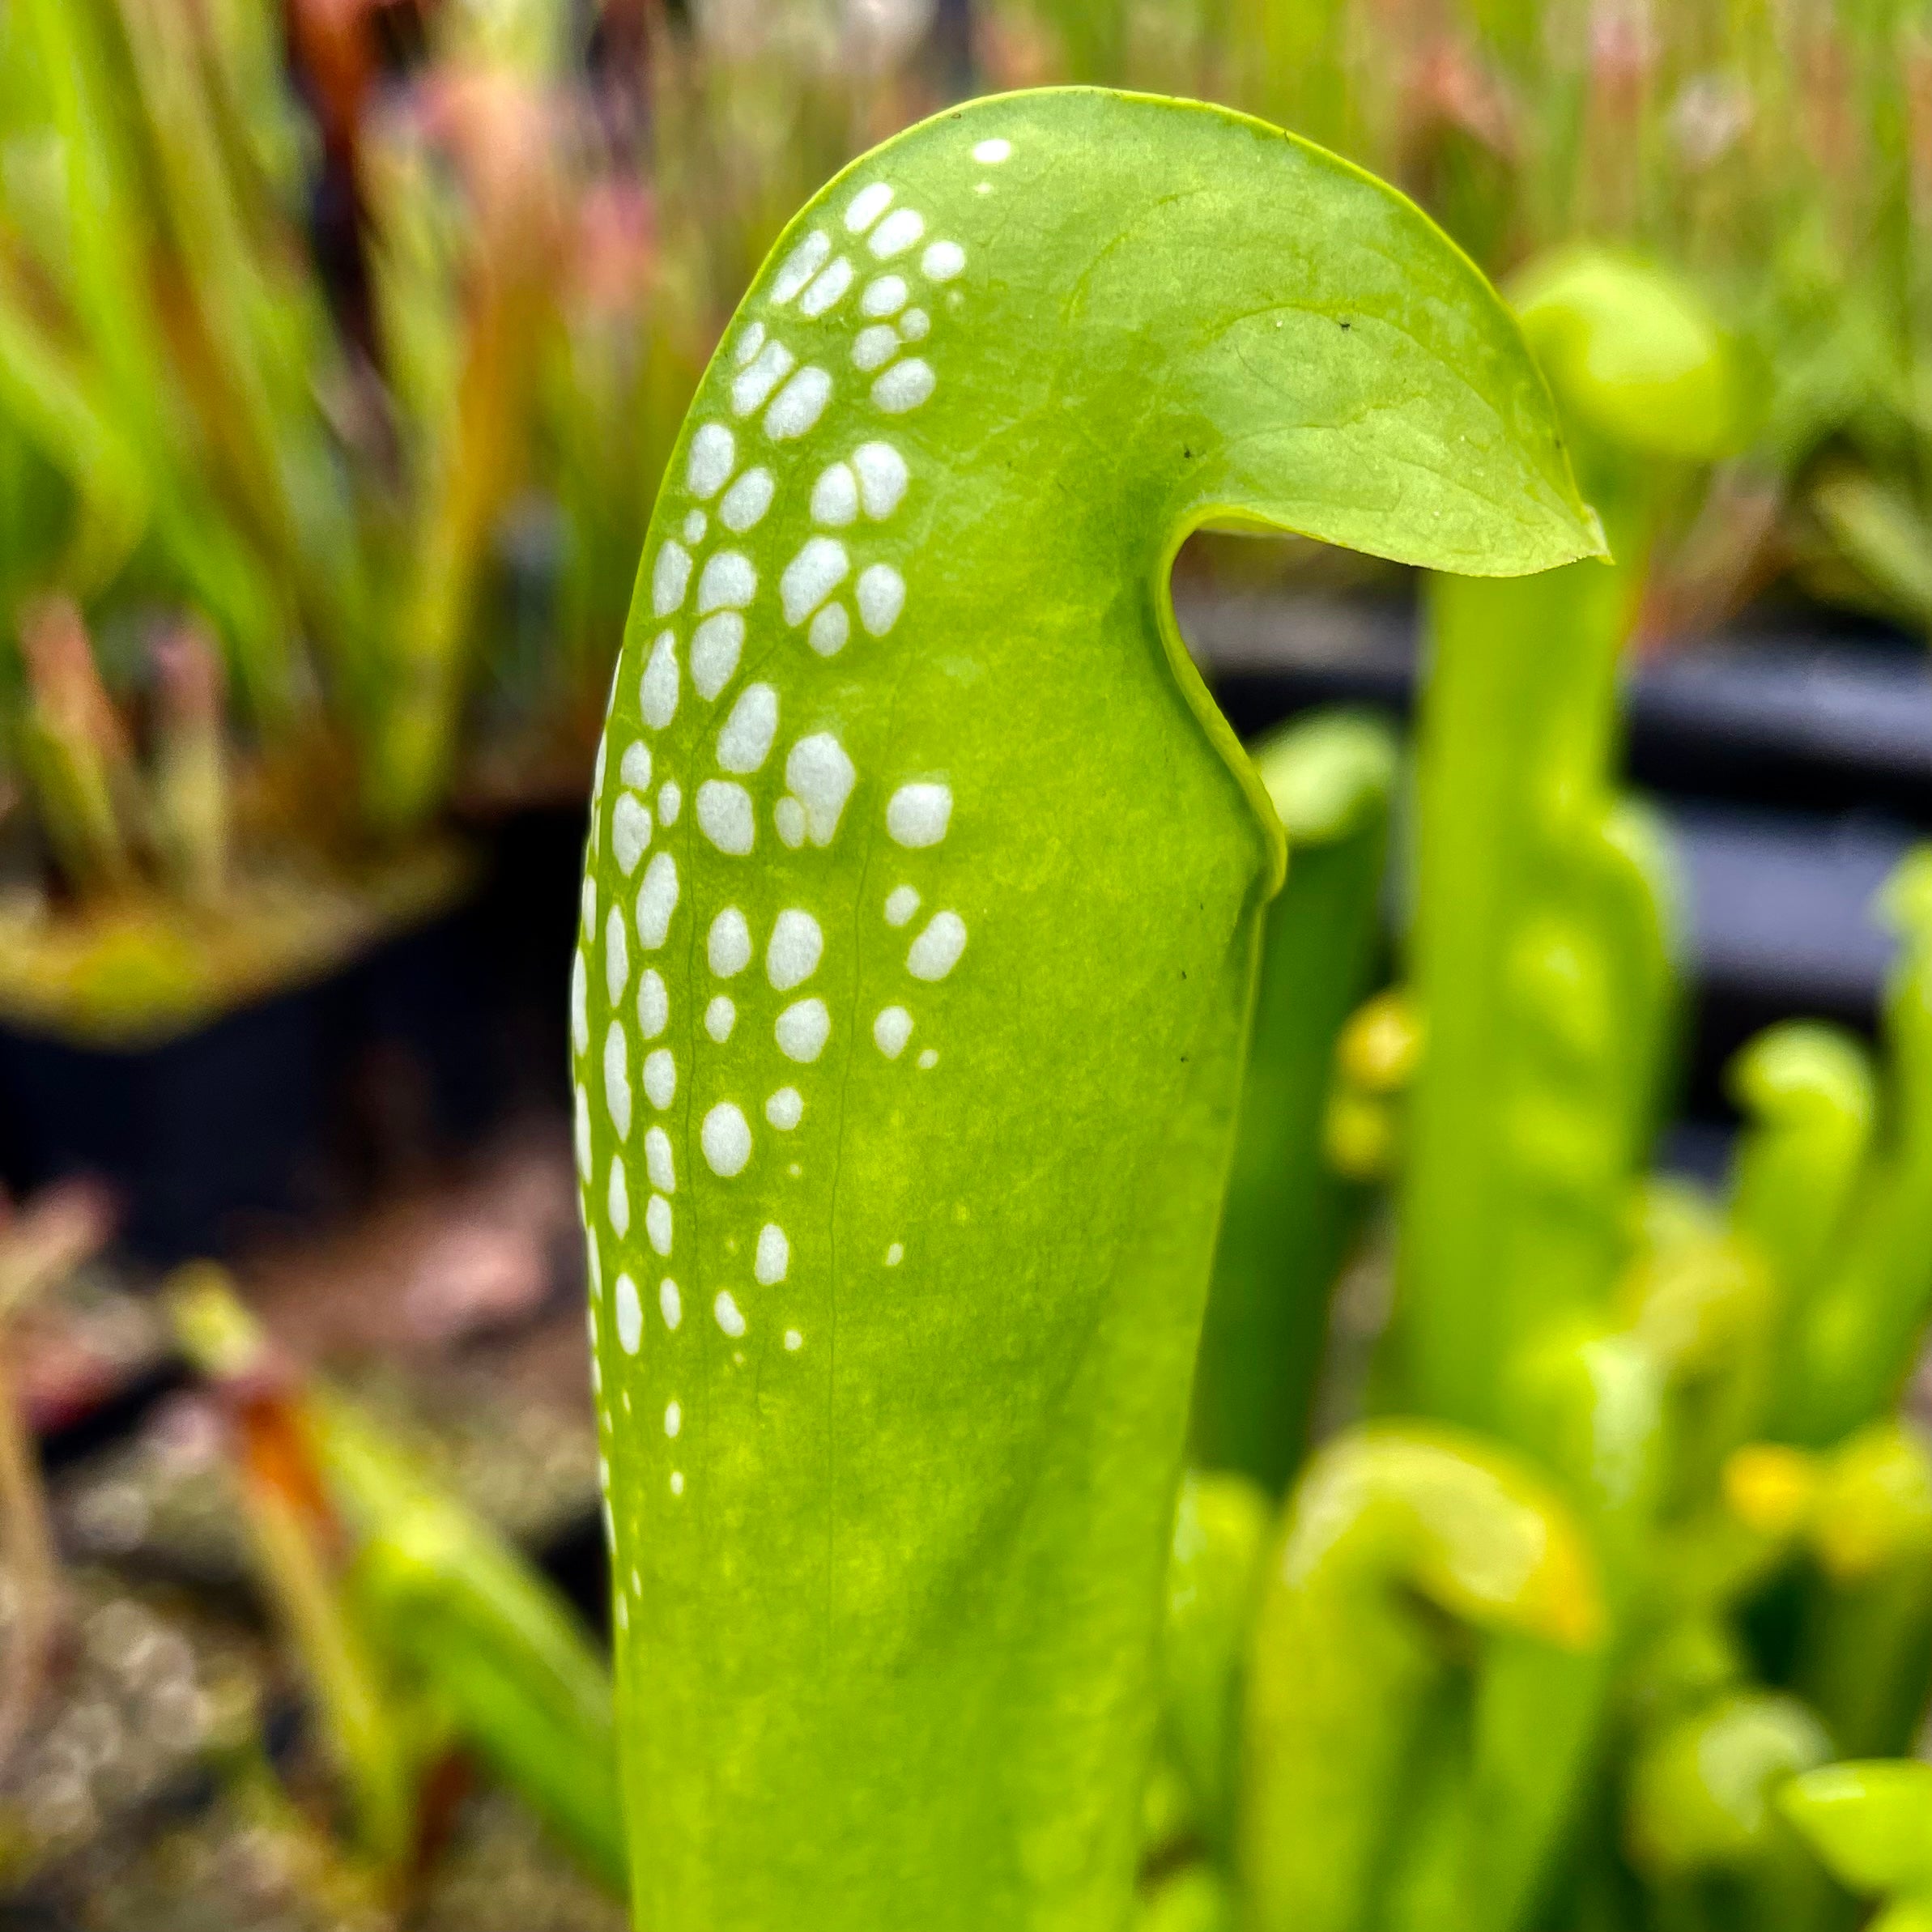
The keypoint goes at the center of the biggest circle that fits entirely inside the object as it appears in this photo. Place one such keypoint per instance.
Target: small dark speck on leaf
(1185, 451)
(1348, 325)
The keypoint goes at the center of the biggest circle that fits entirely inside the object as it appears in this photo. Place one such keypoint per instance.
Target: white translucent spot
(728, 944)
(594, 1268)
(661, 1078)
(617, 1080)
(903, 386)
(750, 386)
(800, 265)
(785, 1108)
(579, 1006)
(658, 1161)
(630, 831)
(714, 647)
(670, 576)
(713, 451)
(587, 904)
(942, 260)
(793, 953)
(901, 903)
(788, 814)
(721, 1015)
(654, 1004)
(915, 325)
(657, 900)
(801, 1031)
(724, 816)
(670, 1304)
(774, 1256)
(729, 583)
(657, 688)
(793, 1341)
(899, 232)
(727, 1140)
(670, 797)
(829, 630)
(635, 768)
(798, 405)
(619, 1198)
(749, 344)
(937, 950)
(811, 576)
(821, 776)
(745, 742)
(630, 1315)
(885, 295)
(989, 154)
(918, 815)
(726, 1310)
(826, 288)
(673, 1418)
(929, 1059)
(597, 770)
(882, 478)
(876, 346)
(896, 1254)
(583, 1132)
(881, 598)
(746, 501)
(696, 524)
(866, 207)
(657, 1224)
(835, 496)
(677, 1488)
(892, 1030)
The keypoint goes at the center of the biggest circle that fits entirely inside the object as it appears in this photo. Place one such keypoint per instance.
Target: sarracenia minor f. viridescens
(919, 931)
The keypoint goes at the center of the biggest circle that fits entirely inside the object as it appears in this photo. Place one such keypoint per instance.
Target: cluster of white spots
(720, 1016)
(804, 262)
(744, 741)
(774, 1257)
(892, 1030)
(670, 1304)
(784, 1109)
(630, 1315)
(793, 953)
(802, 1029)
(618, 1203)
(673, 1418)
(917, 815)
(725, 1137)
(657, 900)
(658, 1224)
(617, 1079)
(725, 816)
(821, 565)
(819, 776)
(751, 386)
(730, 1317)
(937, 950)
(827, 288)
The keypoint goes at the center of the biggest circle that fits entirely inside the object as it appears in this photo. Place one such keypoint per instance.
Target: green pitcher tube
(1290, 1217)
(919, 923)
